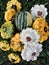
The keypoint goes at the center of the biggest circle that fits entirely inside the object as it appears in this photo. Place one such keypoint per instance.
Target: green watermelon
(22, 20)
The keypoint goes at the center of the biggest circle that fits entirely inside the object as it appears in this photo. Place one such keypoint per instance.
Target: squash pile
(22, 20)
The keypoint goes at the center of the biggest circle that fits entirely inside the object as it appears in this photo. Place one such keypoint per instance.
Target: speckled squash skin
(14, 4)
(14, 58)
(7, 30)
(4, 45)
(41, 26)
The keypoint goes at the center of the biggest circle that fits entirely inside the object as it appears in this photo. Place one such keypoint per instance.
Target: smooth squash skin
(22, 20)
(9, 14)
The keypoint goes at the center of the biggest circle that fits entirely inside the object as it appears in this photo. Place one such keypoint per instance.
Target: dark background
(43, 59)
